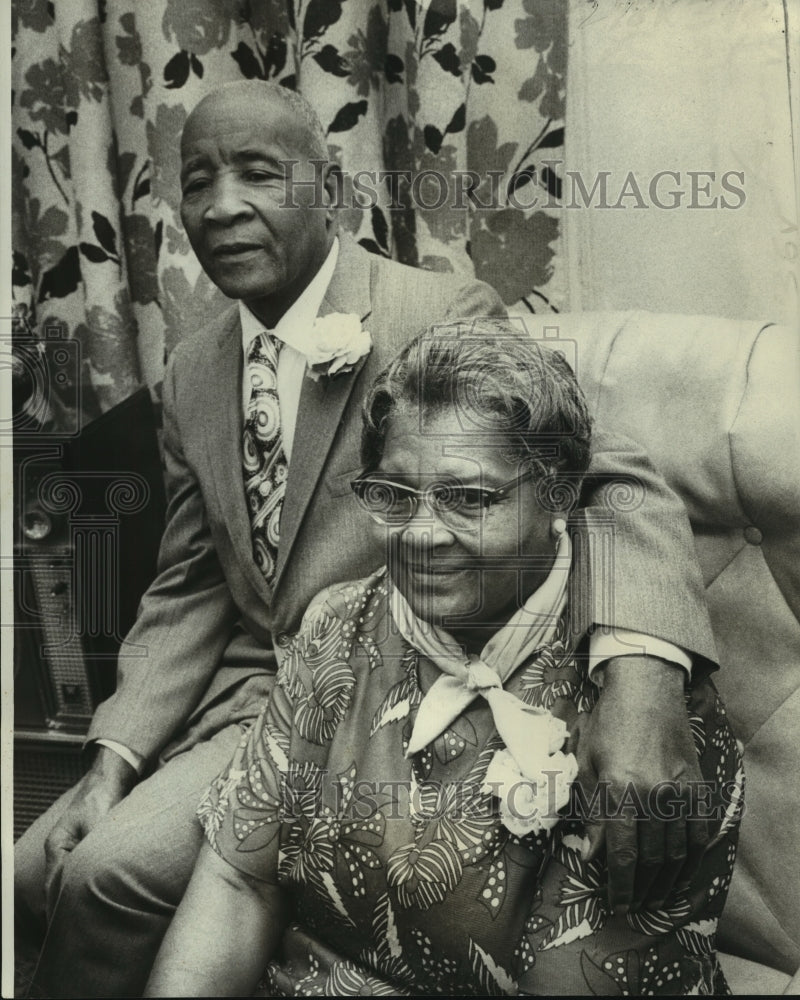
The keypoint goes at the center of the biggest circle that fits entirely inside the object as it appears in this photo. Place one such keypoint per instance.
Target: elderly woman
(400, 805)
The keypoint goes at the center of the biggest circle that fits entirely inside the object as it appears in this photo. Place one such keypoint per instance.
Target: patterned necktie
(265, 465)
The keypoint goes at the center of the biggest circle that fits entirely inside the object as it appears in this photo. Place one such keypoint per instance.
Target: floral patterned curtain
(459, 103)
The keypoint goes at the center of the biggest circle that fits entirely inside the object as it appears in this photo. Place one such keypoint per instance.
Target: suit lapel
(223, 435)
(322, 403)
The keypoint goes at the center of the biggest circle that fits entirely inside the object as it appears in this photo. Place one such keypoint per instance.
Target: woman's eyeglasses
(460, 507)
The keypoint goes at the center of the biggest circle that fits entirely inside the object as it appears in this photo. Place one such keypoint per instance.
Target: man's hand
(637, 749)
(106, 783)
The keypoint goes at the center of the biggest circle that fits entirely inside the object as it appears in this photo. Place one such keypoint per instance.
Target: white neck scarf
(464, 678)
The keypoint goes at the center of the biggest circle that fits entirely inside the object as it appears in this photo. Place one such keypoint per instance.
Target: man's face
(237, 197)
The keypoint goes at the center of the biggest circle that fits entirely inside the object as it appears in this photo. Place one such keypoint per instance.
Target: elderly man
(259, 458)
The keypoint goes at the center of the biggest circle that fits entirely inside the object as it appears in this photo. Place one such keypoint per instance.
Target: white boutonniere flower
(337, 344)
(533, 789)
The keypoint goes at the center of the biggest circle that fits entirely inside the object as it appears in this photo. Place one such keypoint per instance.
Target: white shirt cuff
(605, 644)
(133, 758)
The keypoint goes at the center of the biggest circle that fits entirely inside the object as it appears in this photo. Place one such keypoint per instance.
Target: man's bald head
(245, 95)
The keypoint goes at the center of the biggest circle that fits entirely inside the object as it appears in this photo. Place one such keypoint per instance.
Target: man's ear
(332, 189)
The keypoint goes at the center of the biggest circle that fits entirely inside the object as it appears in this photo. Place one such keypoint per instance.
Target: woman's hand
(637, 759)
(223, 934)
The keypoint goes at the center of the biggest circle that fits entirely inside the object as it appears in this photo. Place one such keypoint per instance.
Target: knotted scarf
(530, 734)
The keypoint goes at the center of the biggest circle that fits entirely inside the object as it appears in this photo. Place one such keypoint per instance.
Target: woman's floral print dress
(403, 877)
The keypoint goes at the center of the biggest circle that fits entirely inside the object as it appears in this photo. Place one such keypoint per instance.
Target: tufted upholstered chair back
(716, 404)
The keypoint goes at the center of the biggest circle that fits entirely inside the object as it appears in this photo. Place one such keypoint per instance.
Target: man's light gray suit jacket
(200, 654)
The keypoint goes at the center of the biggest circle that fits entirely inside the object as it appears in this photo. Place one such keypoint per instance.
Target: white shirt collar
(299, 318)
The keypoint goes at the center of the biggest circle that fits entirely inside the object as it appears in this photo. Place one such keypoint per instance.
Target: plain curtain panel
(701, 89)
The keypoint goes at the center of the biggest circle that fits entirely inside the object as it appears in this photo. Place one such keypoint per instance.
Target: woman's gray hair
(506, 390)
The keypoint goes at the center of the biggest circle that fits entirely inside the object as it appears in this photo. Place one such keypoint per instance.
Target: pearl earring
(558, 527)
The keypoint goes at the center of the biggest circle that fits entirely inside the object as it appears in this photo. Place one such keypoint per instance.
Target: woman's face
(470, 580)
